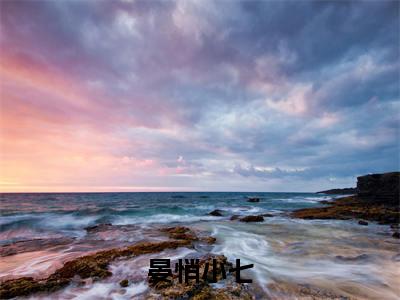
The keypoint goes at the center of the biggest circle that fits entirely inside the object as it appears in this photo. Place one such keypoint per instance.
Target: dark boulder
(252, 219)
(216, 212)
(362, 222)
(124, 283)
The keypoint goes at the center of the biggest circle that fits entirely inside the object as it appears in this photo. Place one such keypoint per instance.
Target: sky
(197, 95)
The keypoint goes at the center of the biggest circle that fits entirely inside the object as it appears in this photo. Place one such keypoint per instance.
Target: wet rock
(90, 266)
(216, 212)
(98, 228)
(252, 219)
(27, 285)
(124, 283)
(254, 199)
(362, 222)
(180, 233)
(396, 235)
(352, 208)
(209, 240)
(235, 217)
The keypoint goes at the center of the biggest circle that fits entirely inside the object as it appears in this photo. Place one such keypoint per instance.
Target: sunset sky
(197, 95)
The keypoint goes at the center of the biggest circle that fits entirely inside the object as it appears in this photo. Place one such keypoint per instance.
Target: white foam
(248, 247)
(67, 221)
(103, 290)
(163, 219)
(242, 209)
(302, 266)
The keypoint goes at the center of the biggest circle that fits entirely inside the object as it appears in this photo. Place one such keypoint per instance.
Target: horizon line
(129, 192)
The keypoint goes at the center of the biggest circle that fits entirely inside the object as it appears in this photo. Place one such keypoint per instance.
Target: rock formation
(252, 219)
(95, 265)
(377, 200)
(216, 213)
(379, 188)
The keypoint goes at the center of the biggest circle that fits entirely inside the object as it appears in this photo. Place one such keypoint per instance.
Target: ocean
(41, 231)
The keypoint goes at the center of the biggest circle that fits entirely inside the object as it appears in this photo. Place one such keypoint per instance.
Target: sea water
(332, 255)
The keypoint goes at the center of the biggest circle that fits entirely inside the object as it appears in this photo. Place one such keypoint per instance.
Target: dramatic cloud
(197, 95)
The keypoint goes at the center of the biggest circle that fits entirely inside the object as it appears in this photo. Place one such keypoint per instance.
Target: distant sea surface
(339, 256)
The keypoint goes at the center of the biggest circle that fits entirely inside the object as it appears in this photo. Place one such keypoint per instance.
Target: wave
(163, 219)
(242, 209)
(302, 199)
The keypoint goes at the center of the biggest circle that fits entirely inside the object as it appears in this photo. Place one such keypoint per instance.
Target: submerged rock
(396, 235)
(216, 212)
(235, 217)
(252, 219)
(124, 283)
(362, 222)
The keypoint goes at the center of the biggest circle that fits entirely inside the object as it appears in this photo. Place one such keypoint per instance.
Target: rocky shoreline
(377, 200)
(95, 266)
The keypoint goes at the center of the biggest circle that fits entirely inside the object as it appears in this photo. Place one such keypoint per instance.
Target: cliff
(379, 188)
